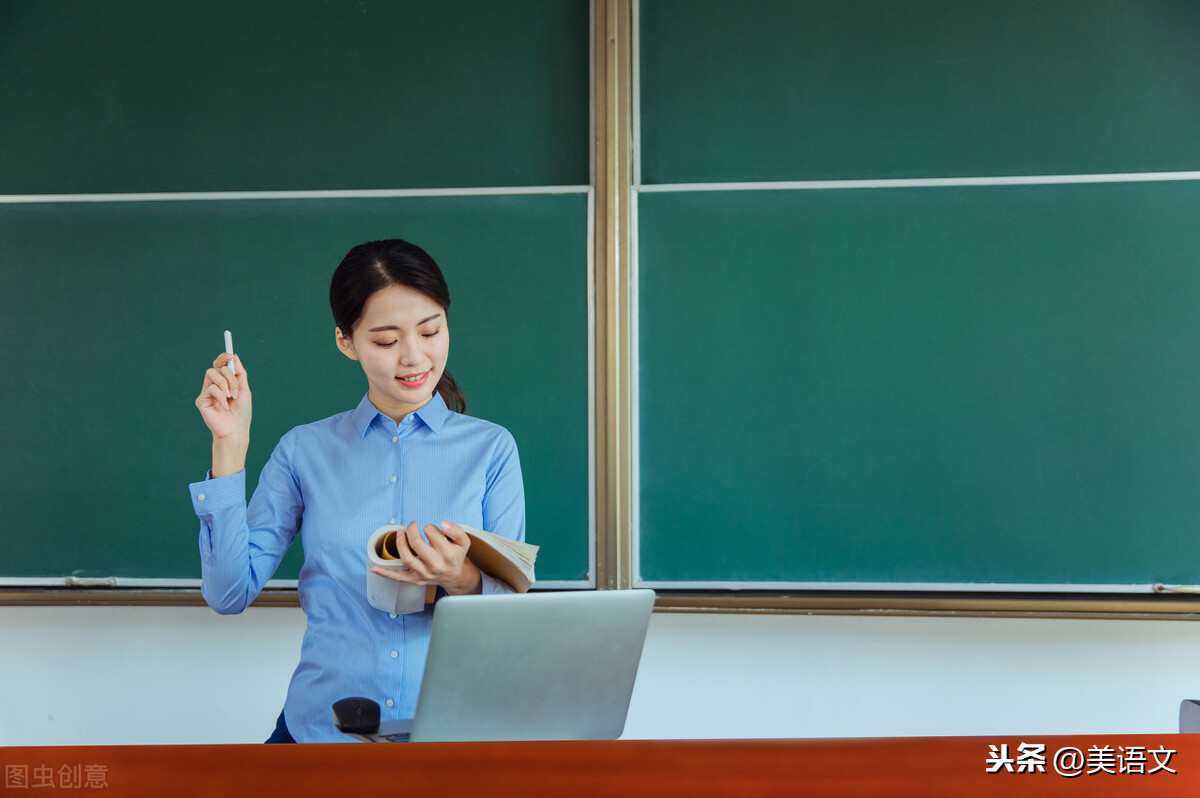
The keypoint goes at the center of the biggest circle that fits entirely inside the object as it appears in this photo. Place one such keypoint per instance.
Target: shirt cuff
(216, 494)
(491, 585)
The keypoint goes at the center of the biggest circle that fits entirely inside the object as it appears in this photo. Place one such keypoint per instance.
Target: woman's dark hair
(375, 265)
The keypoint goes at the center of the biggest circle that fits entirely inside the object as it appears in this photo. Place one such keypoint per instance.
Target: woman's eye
(430, 335)
(385, 344)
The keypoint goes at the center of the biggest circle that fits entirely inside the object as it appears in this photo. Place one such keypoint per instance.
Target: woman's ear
(344, 344)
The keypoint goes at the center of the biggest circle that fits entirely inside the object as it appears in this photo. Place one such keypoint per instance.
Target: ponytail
(452, 395)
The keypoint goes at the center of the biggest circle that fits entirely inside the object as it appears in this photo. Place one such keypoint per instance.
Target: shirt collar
(433, 414)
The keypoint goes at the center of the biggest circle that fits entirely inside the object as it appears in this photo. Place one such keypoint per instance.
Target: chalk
(229, 351)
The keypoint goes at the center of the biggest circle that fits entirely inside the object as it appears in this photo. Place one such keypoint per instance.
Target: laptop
(526, 666)
(1189, 716)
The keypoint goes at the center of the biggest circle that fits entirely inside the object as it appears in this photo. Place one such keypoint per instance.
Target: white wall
(144, 675)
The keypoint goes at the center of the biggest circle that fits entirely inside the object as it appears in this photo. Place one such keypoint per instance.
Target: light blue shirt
(336, 481)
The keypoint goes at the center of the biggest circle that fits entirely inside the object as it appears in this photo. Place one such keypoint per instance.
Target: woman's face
(401, 341)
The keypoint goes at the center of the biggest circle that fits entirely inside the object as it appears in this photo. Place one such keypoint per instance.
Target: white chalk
(229, 351)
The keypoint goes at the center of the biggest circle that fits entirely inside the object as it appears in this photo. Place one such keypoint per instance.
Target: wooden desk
(930, 766)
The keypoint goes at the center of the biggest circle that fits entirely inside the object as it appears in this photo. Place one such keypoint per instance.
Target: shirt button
(393, 479)
(390, 702)
(391, 615)
(391, 520)
(395, 438)
(395, 654)
(201, 497)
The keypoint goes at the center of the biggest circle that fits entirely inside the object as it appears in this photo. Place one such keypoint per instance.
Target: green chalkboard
(114, 310)
(221, 95)
(120, 304)
(759, 90)
(936, 385)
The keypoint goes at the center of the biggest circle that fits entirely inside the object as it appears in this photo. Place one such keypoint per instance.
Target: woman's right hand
(225, 405)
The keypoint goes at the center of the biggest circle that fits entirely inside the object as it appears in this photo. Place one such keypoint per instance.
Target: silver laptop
(532, 666)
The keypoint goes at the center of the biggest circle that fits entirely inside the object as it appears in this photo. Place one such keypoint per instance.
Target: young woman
(405, 455)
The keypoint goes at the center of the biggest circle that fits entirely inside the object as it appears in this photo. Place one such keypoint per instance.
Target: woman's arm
(504, 502)
(240, 545)
(240, 549)
(504, 495)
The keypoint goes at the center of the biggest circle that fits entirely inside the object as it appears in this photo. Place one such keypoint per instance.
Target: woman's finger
(444, 546)
(456, 534)
(409, 555)
(212, 396)
(231, 382)
(408, 577)
(234, 382)
(214, 378)
(243, 382)
(219, 378)
(416, 543)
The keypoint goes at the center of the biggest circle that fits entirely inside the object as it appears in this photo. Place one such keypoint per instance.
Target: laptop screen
(532, 666)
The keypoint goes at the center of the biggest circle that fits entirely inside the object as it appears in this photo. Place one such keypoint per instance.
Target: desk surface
(662, 769)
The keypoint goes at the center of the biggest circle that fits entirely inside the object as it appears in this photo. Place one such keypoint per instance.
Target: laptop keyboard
(398, 737)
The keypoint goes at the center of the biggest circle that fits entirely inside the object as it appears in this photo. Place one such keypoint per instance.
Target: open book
(510, 561)
(507, 560)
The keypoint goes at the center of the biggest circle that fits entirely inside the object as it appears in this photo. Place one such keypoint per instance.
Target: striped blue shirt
(336, 481)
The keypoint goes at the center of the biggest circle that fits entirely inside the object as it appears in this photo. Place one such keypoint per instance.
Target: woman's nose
(409, 352)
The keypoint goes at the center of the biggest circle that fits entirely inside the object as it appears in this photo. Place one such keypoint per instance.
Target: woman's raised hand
(224, 404)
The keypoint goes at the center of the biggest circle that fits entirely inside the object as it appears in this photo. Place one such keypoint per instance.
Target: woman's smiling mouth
(413, 380)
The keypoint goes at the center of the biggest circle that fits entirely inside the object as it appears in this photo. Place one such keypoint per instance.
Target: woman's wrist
(229, 455)
(470, 581)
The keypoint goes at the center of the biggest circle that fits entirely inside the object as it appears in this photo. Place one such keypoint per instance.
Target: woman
(405, 455)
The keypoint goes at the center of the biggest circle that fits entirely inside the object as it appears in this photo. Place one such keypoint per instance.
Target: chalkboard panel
(758, 90)
(112, 312)
(132, 96)
(938, 385)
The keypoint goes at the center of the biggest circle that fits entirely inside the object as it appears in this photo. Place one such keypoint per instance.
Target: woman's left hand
(442, 561)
